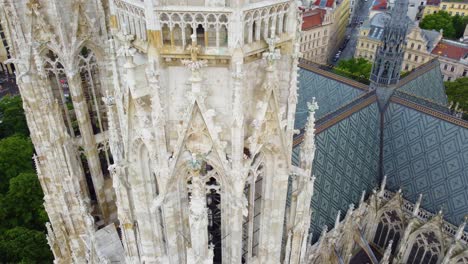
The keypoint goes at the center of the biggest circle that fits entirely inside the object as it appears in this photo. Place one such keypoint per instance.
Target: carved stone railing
(423, 215)
(131, 17)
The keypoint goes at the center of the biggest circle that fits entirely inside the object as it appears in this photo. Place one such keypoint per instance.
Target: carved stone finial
(33, 5)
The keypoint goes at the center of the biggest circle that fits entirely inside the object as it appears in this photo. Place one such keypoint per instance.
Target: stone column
(199, 253)
(87, 134)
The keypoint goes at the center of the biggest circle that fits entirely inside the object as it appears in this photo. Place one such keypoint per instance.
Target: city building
(169, 132)
(418, 49)
(453, 57)
(5, 68)
(452, 7)
(316, 28)
(341, 15)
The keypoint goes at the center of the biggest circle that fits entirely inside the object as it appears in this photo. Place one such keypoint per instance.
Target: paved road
(361, 14)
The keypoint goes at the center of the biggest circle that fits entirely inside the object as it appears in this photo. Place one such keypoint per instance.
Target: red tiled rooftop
(379, 5)
(324, 3)
(450, 50)
(313, 18)
(433, 2)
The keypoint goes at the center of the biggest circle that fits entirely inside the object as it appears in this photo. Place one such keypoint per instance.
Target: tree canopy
(12, 119)
(452, 26)
(457, 91)
(15, 157)
(357, 69)
(23, 245)
(22, 215)
(22, 204)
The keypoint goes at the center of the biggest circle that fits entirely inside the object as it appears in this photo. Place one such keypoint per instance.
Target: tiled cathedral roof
(423, 148)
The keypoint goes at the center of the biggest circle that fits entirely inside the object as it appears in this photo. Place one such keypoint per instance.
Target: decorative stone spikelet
(382, 186)
(388, 252)
(417, 205)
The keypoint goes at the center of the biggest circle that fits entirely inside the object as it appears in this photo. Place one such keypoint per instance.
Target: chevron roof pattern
(423, 154)
(429, 85)
(346, 163)
(330, 95)
(423, 150)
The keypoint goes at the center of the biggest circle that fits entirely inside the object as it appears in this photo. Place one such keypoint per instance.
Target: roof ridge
(317, 68)
(341, 113)
(429, 111)
(418, 71)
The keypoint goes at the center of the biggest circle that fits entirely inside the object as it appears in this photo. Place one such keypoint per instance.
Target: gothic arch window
(389, 228)
(105, 158)
(177, 35)
(61, 92)
(211, 36)
(214, 208)
(251, 225)
(426, 249)
(166, 35)
(93, 90)
(200, 35)
(148, 181)
(223, 36)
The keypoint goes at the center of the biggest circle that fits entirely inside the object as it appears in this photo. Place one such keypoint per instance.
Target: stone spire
(389, 55)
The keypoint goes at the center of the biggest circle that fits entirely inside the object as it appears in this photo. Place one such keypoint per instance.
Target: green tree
(457, 91)
(438, 21)
(357, 69)
(22, 205)
(12, 119)
(459, 24)
(23, 245)
(15, 157)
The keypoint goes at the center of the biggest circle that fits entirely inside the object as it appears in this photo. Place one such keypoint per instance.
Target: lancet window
(425, 250)
(61, 92)
(389, 228)
(213, 204)
(105, 158)
(92, 90)
(210, 29)
(251, 226)
(149, 176)
(87, 174)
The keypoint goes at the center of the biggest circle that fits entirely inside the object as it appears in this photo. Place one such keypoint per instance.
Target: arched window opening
(200, 35)
(88, 176)
(177, 34)
(425, 250)
(211, 35)
(254, 31)
(213, 204)
(257, 210)
(247, 32)
(188, 34)
(92, 90)
(223, 36)
(61, 92)
(166, 35)
(389, 228)
(105, 158)
(251, 225)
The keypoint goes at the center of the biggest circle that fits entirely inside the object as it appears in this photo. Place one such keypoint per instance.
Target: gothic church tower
(389, 55)
(172, 120)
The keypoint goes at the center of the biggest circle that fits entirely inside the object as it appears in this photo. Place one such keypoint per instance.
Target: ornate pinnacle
(273, 53)
(388, 252)
(33, 5)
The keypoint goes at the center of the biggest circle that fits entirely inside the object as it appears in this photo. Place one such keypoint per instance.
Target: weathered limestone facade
(173, 122)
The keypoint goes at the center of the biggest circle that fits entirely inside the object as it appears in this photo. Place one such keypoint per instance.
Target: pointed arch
(253, 191)
(60, 90)
(144, 189)
(426, 244)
